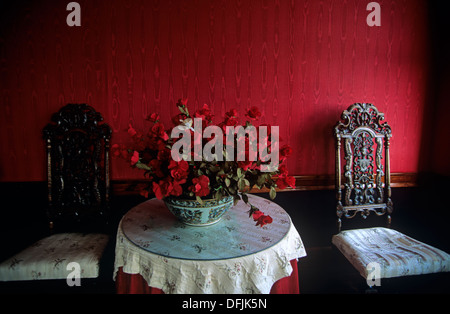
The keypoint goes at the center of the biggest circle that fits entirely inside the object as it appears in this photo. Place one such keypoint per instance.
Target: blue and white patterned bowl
(192, 213)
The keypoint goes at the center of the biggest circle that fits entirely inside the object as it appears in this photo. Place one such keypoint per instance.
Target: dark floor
(418, 212)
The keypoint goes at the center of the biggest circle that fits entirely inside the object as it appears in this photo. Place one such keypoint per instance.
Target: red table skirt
(136, 284)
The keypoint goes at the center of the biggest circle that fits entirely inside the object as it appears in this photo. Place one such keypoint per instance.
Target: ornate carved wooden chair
(378, 252)
(78, 195)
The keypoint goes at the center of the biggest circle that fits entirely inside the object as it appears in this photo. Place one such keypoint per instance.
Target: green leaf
(261, 180)
(143, 166)
(252, 210)
(199, 199)
(272, 193)
(214, 168)
(227, 182)
(241, 184)
(184, 110)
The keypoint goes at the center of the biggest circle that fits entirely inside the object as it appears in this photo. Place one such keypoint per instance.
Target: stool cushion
(397, 254)
(48, 258)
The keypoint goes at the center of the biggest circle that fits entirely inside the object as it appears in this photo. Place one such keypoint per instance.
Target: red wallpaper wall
(302, 62)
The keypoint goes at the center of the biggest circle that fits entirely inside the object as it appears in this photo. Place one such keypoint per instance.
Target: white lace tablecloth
(231, 256)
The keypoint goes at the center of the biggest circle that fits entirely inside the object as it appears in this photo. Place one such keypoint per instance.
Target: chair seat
(397, 254)
(48, 258)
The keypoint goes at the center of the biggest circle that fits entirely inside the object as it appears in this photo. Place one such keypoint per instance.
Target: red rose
(204, 114)
(134, 158)
(245, 165)
(200, 186)
(176, 120)
(264, 220)
(164, 154)
(182, 102)
(284, 181)
(285, 151)
(155, 164)
(282, 170)
(176, 190)
(158, 190)
(261, 219)
(154, 117)
(158, 130)
(230, 119)
(253, 113)
(232, 113)
(179, 170)
(162, 189)
(155, 143)
(257, 214)
(131, 131)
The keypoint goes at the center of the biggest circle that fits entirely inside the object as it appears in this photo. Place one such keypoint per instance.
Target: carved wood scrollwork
(77, 163)
(365, 134)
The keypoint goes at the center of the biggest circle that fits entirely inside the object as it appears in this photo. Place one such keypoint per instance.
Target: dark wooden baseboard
(302, 183)
(326, 182)
(131, 187)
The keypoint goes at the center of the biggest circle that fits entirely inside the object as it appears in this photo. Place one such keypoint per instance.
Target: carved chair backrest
(77, 165)
(363, 137)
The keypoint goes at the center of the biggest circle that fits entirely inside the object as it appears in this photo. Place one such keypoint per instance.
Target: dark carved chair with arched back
(379, 252)
(77, 146)
(77, 166)
(367, 187)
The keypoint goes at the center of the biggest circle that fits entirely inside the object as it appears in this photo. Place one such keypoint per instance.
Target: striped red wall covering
(302, 62)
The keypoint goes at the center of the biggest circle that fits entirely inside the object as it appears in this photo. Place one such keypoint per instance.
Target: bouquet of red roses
(197, 159)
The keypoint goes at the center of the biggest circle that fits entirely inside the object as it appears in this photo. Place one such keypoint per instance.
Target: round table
(231, 256)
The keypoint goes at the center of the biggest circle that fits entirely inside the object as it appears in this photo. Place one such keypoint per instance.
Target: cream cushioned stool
(397, 254)
(48, 258)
